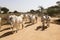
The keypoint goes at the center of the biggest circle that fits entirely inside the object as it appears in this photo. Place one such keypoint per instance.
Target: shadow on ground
(7, 34)
(41, 27)
(29, 24)
(57, 21)
(5, 29)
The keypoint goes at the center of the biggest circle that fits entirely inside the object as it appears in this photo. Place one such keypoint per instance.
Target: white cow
(16, 21)
(22, 15)
(33, 18)
(26, 17)
(19, 21)
(45, 19)
(12, 20)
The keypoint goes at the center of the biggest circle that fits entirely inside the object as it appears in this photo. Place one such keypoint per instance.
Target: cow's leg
(43, 25)
(0, 27)
(30, 20)
(12, 27)
(22, 25)
(36, 19)
(16, 26)
(26, 18)
(33, 21)
(48, 24)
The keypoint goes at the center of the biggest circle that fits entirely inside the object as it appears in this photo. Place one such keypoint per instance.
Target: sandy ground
(29, 33)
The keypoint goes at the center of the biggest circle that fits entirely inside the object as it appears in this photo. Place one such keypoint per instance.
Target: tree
(53, 10)
(41, 9)
(10, 12)
(32, 11)
(37, 11)
(58, 2)
(4, 9)
(15, 11)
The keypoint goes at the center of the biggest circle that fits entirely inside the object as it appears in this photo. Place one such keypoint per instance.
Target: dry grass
(5, 17)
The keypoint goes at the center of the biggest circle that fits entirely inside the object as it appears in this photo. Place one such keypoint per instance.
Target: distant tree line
(5, 10)
(53, 10)
(50, 10)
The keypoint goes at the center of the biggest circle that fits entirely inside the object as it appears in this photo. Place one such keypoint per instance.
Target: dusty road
(29, 33)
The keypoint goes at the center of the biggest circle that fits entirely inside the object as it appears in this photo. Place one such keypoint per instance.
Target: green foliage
(53, 10)
(58, 2)
(32, 11)
(10, 12)
(15, 11)
(4, 9)
(37, 11)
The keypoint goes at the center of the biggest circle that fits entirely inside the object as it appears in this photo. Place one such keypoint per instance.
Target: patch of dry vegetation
(5, 17)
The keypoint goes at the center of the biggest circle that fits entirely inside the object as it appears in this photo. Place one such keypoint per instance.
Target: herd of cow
(18, 21)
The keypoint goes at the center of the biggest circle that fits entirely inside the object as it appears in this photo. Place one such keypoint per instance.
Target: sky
(26, 5)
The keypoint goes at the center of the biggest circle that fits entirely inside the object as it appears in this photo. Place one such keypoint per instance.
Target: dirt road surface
(30, 32)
